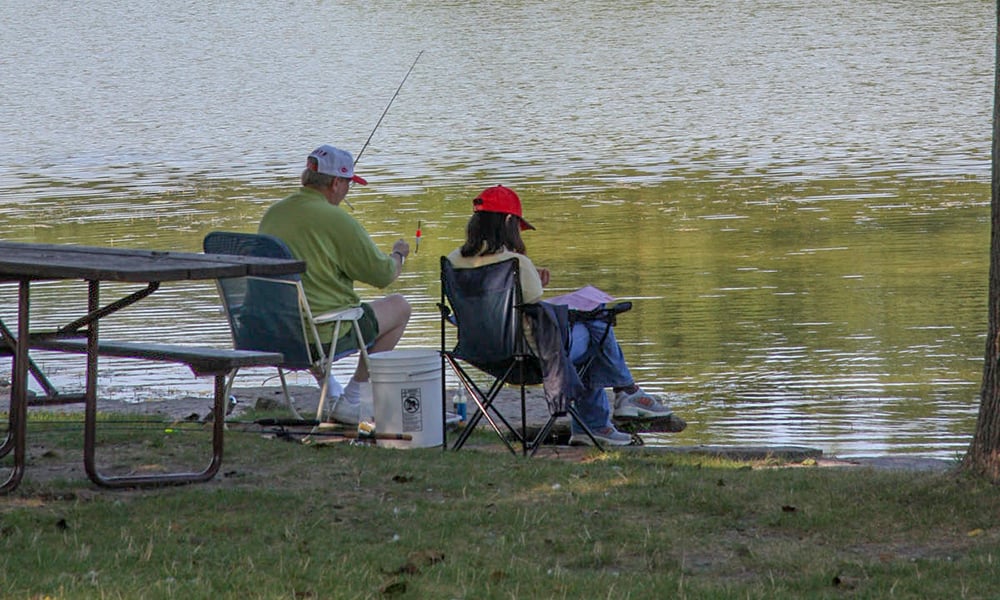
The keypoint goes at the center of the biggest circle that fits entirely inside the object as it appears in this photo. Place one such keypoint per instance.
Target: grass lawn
(285, 519)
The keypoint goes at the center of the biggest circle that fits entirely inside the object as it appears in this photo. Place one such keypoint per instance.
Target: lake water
(795, 195)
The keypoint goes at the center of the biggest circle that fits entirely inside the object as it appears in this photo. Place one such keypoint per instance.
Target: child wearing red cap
(493, 234)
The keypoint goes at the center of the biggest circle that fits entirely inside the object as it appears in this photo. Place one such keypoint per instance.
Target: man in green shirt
(338, 251)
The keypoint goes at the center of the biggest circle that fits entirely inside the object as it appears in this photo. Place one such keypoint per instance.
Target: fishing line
(379, 122)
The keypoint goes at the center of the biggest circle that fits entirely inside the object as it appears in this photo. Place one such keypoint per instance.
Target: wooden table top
(59, 261)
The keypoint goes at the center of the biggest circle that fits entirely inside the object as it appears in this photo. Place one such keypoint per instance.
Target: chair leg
(362, 349)
(327, 361)
(524, 416)
(484, 402)
(579, 421)
(288, 397)
(542, 435)
(324, 386)
(322, 402)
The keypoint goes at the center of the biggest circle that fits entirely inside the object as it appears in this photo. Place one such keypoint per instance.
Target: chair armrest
(347, 314)
(608, 314)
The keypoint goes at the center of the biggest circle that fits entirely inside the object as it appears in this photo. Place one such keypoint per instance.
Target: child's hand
(544, 275)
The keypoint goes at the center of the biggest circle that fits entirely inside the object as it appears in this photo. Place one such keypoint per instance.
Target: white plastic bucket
(406, 388)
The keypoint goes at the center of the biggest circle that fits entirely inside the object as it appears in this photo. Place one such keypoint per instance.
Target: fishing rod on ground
(379, 122)
(284, 429)
(276, 427)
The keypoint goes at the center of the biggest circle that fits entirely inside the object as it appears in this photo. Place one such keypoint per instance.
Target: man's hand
(402, 250)
(401, 247)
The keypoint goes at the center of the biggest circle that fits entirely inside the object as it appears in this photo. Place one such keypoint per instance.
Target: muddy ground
(196, 408)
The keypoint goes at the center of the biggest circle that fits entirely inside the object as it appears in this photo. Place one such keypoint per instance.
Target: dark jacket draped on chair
(551, 325)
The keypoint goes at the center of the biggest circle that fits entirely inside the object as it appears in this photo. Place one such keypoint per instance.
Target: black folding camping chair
(484, 304)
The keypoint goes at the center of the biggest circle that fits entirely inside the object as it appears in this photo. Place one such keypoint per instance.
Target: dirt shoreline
(197, 408)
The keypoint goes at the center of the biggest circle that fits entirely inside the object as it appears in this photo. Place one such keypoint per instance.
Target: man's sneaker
(639, 404)
(344, 411)
(605, 435)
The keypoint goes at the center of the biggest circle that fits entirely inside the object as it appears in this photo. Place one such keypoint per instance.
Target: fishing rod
(387, 107)
(379, 122)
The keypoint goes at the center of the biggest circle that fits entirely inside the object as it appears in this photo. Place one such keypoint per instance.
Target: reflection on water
(849, 326)
(793, 195)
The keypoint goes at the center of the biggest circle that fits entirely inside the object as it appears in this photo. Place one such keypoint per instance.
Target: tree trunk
(983, 456)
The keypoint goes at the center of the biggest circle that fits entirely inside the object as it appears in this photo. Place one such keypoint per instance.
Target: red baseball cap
(500, 199)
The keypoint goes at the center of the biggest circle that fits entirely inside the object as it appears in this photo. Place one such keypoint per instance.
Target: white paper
(583, 299)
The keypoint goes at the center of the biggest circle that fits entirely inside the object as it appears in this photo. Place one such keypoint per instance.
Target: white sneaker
(639, 404)
(344, 411)
(605, 435)
(333, 388)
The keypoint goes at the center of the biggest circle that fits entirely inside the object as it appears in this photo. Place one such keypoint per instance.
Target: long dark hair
(491, 232)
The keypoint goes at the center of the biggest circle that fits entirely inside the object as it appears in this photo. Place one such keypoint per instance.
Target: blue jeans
(611, 370)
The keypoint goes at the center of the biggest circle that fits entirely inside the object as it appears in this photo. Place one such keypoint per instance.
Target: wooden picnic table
(25, 263)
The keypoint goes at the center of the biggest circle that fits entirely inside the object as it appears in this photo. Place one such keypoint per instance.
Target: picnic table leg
(16, 434)
(90, 387)
(90, 424)
(218, 438)
(8, 338)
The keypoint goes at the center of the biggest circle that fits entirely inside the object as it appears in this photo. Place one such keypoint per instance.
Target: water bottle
(460, 405)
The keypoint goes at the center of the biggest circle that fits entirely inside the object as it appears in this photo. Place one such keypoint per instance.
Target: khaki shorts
(369, 330)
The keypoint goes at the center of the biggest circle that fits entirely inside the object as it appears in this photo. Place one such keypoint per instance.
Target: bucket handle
(424, 372)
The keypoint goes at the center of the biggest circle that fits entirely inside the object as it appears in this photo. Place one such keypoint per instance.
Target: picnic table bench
(202, 360)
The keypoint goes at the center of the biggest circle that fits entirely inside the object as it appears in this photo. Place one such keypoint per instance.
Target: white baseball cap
(335, 162)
